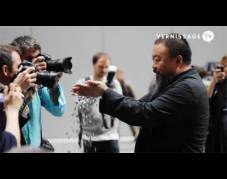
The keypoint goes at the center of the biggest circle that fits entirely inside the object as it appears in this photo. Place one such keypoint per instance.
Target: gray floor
(70, 145)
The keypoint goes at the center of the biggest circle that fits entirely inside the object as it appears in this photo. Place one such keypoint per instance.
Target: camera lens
(64, 65)
(47, 79)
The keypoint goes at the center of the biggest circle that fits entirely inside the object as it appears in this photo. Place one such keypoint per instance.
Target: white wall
(129, 46)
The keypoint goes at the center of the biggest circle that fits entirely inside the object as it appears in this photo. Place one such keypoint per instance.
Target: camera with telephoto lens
(59, 65)
(45, 78)
(50, 77)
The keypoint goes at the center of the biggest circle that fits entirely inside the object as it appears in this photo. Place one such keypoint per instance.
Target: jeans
(111, 146)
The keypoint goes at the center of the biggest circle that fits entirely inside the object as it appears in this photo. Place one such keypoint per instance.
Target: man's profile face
(15, 67)
(163, 64)
(101, 67)
(225, 67)
(30, 54)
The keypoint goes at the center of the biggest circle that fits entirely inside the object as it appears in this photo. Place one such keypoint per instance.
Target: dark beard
(161, 83)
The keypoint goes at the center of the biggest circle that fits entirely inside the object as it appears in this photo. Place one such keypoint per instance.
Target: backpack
(103, 118)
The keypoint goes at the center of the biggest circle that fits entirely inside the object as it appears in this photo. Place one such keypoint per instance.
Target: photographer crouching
(48, 94)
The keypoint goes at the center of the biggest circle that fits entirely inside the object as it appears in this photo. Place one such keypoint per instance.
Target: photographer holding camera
(49, 94)
(99, 132)
(217, 91)
(11, 101)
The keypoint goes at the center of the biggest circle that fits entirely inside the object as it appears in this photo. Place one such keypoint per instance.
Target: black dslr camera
(50, 77)
(220, 67)
(110, 76)
(59, 65)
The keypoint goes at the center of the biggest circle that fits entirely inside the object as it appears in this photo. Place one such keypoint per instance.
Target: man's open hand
(90, 89)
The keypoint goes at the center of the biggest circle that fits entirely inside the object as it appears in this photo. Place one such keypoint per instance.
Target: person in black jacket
(217, 91)
(175, 117)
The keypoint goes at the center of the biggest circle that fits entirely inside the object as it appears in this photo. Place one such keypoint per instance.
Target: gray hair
(26, 42)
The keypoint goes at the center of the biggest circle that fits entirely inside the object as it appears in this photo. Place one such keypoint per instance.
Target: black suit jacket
(174, 120)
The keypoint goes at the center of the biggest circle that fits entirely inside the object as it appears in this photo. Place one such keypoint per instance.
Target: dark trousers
(111, 146)
(225, 132)
(217, 138)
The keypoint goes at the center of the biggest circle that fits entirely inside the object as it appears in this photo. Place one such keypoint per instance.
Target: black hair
(99, 55)
(6, 55)
(25, 43)
(177, 45)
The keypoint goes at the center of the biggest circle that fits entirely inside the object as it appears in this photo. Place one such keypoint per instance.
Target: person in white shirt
(98, 132)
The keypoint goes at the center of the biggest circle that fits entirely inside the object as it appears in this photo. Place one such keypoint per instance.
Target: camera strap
(1, 88)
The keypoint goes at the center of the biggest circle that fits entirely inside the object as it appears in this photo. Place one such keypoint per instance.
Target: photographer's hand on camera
(13, 100)
(218, 76)
(54, 91)
(40, 64)
(26, 79)
(13, 97)
(90, 89)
